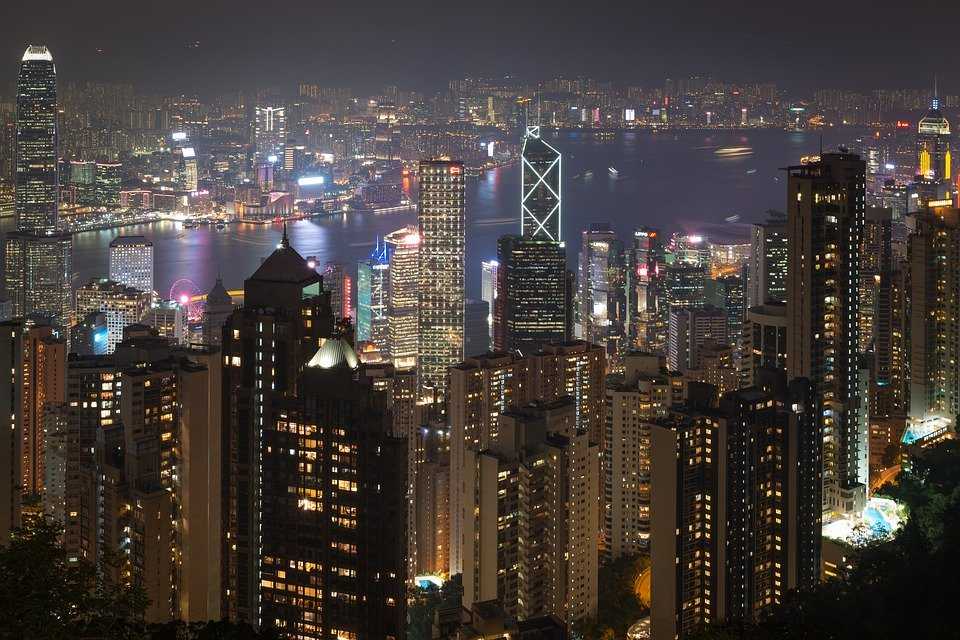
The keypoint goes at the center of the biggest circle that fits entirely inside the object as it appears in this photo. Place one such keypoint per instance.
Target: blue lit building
(89, 337)
(372, 282)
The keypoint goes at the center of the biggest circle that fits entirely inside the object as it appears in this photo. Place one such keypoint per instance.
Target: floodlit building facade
(441, 220)
(131, 262)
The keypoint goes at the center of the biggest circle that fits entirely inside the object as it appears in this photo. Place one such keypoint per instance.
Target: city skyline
(712, 368)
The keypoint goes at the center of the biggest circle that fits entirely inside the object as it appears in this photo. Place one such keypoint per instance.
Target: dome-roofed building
(335, 352)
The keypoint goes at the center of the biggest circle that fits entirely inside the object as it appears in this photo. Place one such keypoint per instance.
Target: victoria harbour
(688, 181)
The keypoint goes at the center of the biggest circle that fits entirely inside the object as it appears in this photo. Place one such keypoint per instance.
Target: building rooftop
(218, 294)
(335, 352)
(37, 52)
(285, 265)
(131, 240)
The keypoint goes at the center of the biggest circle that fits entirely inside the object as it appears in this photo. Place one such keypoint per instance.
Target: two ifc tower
(37, 256)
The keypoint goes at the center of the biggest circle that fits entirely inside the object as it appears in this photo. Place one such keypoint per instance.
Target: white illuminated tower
(131, 262)
(402, 298)
(270, 133)
(441, 274)
(540, 188)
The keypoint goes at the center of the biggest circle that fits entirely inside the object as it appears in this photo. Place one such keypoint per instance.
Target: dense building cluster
(303, 453)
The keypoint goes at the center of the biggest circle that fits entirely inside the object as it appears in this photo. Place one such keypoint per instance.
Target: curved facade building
(36, 179)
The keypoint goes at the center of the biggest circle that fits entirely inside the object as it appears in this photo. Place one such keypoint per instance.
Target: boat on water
(733, 152)
(190, 224)
(750, 172)
(588, 174)
(220, 226)
(613, 172)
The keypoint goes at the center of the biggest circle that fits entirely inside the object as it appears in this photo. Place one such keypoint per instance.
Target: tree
(44, 595)
(618, 606)
(424, 602)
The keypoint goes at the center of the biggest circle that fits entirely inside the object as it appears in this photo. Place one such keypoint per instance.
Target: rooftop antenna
(821, 144)
(538, 107)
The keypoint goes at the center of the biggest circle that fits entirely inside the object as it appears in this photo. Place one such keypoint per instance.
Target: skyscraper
(142, 477)
(108, 183)
(647, 306)
(826, 208)
(575, 369)
(690, 331)
(481, 389)
(488, 290)
(685, 285)
(37, 136)
(533, 303)
(285, 318)
(645, 393)
(38, 275)
(373, 285)
(540, 179)
(11, 405)
(531, 515)
(764, 341)
(934, 285)
(38, 260)
(326, 542)
(767, 268)
(131, 262)
(726, 293)
(122, 306)
(600, 290)
(933, 145)
(475, 336)
(270, 132)
(725, 546)
(403, 306)
(441, 274)
(43, 383)
(883, 313)
(338, 282)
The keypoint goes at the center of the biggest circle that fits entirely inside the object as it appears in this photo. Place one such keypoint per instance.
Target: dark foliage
(902, 588)
(43, 596)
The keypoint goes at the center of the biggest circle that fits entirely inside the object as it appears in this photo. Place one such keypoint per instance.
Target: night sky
(422, 43)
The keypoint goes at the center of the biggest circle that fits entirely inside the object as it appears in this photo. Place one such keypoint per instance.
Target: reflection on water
(672, 180)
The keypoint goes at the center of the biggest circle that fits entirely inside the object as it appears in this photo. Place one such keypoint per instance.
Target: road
(887, 475)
